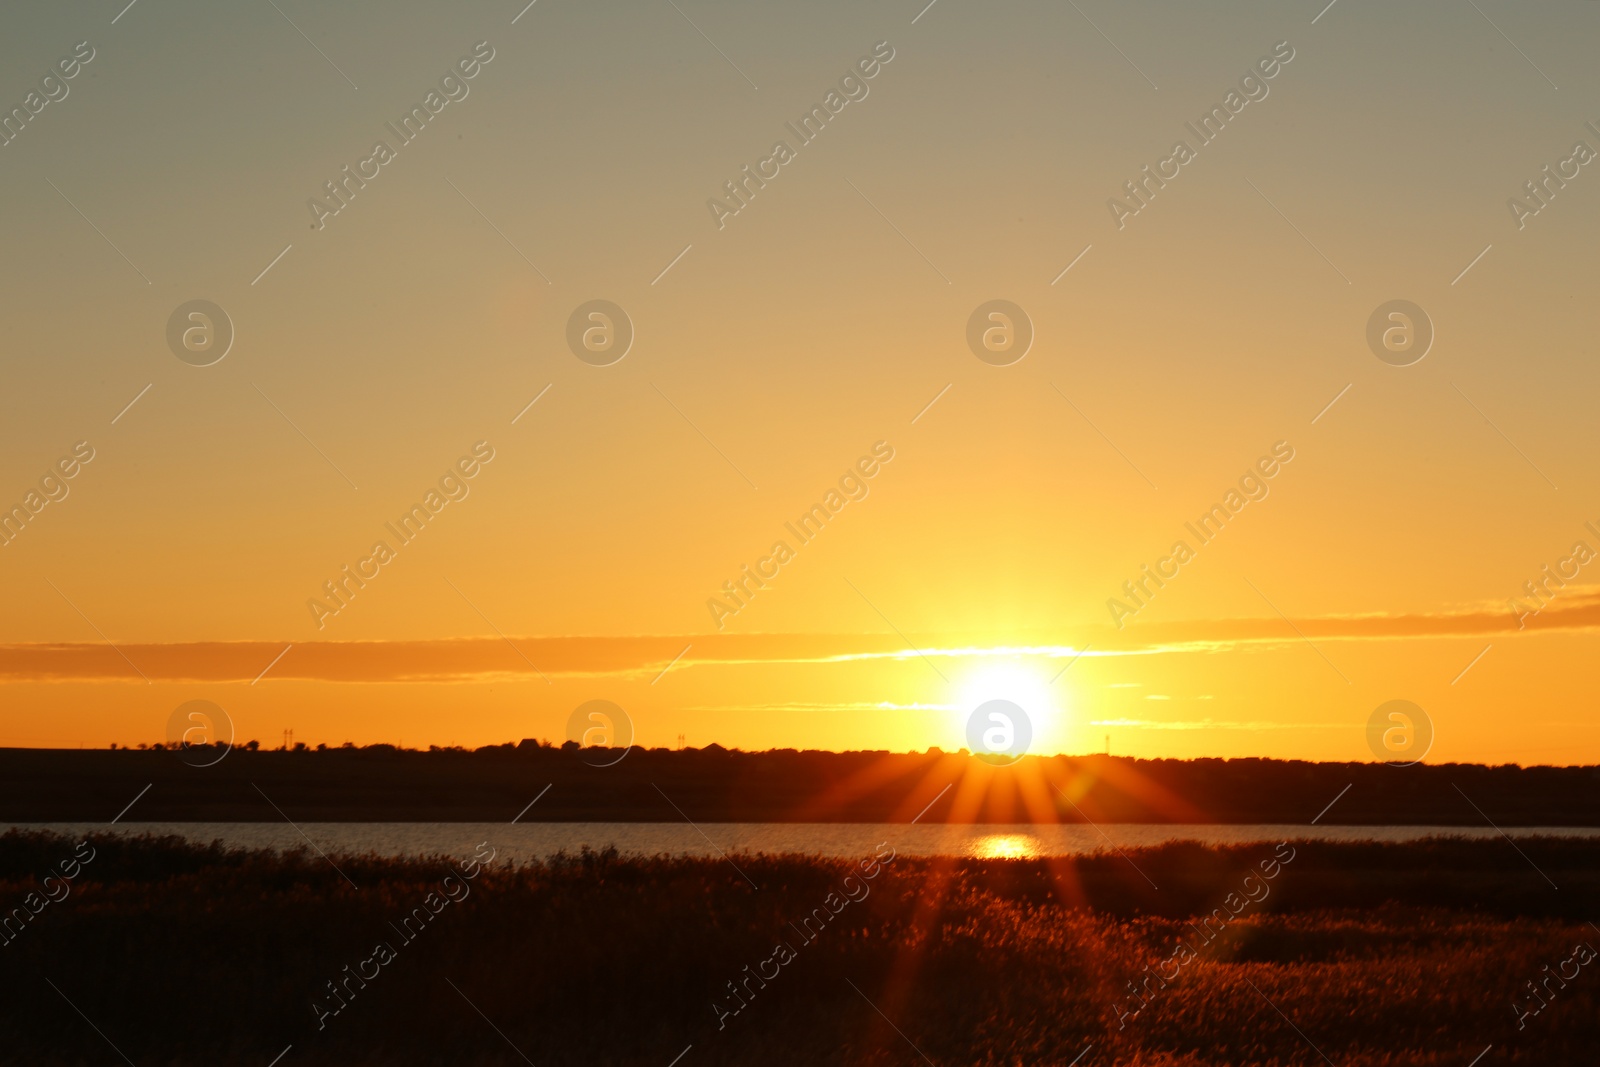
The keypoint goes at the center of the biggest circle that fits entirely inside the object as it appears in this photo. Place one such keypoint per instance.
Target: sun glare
(1005, 847)
(1026, 686)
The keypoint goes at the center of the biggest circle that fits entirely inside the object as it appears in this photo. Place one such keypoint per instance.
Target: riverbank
(1365, 953)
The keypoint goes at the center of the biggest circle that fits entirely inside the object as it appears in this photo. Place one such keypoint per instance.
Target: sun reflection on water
(1005, 847)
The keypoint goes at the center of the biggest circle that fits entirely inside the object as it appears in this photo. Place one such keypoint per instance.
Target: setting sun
(1023, 682)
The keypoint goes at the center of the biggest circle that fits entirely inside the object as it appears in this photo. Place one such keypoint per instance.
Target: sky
(1180, 344)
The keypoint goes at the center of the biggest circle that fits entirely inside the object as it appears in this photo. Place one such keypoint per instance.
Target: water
(524, 841)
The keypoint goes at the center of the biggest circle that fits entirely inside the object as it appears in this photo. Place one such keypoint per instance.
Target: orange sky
(784, 352)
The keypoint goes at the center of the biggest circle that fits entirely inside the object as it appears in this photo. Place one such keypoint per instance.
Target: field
(162, 952)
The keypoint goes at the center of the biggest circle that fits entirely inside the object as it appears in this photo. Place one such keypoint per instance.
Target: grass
(1361, 954)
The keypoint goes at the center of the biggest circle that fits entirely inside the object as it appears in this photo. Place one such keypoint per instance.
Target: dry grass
(1362, 955)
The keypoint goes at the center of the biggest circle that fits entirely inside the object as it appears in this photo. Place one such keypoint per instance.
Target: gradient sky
(777, 350)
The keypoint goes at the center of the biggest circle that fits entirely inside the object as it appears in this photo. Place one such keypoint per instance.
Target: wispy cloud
(474, 658)
(1575, 609)
(1217, 724)
(861, 705)
(492, 658)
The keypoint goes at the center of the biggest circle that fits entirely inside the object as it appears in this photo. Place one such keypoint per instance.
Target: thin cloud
(1217, 724)
(468, 659)
(486, 659)
(880, 705)
(1573, 609)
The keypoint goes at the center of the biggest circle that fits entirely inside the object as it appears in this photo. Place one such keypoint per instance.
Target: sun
(1023, 685)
